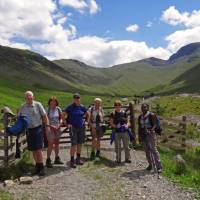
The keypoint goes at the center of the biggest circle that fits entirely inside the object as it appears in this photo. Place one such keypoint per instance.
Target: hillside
(24, 67)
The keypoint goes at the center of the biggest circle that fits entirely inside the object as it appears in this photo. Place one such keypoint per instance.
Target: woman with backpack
(96, 121)
(119, 123)
(54, 114)
(147, 136)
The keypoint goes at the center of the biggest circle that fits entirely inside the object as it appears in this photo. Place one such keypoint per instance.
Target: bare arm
(112, 123)
(45, 120)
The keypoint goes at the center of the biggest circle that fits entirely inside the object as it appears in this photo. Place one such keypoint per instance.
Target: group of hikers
(48, 122)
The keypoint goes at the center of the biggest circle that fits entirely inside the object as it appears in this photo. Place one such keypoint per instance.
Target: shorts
(77, 135)
(35, 138)
(97, 132)
(54, 134)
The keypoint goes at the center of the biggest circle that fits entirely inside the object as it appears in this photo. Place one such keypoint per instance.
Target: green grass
(172, 106)
(190, 177)
(17, 169)
(5, 195)
(12, 95)
(103, 172)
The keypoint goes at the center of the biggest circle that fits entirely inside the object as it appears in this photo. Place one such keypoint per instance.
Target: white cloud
(82, 5)
(132, 28)
(149, 24)
(174, 17)
(101, 52)
(183, 37)
(186, 36)
(40, 24)
(62, 20)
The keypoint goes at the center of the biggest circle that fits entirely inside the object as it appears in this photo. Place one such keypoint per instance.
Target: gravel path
(101, 181)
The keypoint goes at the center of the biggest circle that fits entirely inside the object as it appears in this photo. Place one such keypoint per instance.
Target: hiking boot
(41, 172)
(72, 164)
(79, 161)
(48, 163)
(159, 170)
(92, 155)
(98, 154)
(58, 161)
(35, 171)
(149, 168)
(127, 161)
(118, 161)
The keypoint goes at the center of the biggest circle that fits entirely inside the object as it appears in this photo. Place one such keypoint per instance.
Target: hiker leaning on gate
(76, 114)
(119, 123)
(147, 135)
(54, 114)
(96, 124)
(37, 115)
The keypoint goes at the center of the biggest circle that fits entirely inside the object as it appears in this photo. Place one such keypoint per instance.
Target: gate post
(132, 118)
(5, 123)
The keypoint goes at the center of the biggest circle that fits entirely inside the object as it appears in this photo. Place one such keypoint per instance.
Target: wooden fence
(174, 134)
(8, 143)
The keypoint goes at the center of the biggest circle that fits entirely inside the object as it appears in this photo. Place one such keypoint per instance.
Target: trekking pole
(137, 164)
(152, 157)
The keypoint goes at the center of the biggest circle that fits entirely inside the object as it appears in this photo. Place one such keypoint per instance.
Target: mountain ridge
(72, 75)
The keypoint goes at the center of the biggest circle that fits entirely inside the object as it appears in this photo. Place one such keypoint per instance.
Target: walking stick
(152, 157)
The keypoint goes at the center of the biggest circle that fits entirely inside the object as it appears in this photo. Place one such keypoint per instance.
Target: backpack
(20, 125)
(122, 117)
(158, 128)
(98, 118)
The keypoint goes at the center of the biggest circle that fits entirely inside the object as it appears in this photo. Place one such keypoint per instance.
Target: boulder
(181, 166)
(8, 183)
(26, 180)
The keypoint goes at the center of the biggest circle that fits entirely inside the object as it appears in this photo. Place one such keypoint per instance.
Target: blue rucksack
(20, 125)
(158, 128)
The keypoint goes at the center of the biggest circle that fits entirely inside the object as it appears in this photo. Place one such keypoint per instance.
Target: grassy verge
(107, 176)
(188, 176)
(5, 195)
(17, 169)
(171, 106)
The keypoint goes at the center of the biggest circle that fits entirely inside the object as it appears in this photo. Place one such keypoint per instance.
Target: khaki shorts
(97, 132)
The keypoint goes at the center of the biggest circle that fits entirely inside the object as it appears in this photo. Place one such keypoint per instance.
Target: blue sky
(101, 33)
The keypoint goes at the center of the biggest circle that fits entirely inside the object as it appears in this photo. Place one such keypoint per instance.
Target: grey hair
(28, 93)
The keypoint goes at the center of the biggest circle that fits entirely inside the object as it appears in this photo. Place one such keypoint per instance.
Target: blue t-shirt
(76, 114)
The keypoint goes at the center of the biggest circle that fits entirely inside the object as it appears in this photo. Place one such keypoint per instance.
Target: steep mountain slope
(151, 74)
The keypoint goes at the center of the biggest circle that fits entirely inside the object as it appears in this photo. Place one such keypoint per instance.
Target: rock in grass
(8, 183)
(26, 180)
(181, 166)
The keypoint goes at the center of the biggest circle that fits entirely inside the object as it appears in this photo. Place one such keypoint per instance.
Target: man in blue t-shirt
(76, 124)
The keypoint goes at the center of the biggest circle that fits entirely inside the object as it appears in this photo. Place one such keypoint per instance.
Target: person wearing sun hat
(96, 122)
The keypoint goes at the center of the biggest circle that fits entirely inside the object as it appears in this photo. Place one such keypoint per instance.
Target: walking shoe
(72, 164)
(48, 163)
(58, 161)
(149, 168)
(79, 161)
(127, 161)
(92, 155)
